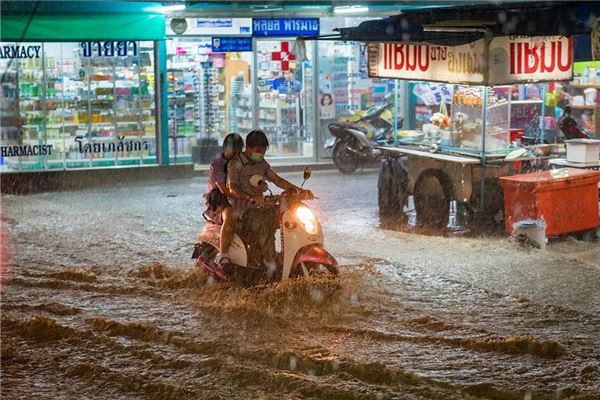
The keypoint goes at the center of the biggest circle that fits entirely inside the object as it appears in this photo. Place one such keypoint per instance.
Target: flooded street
(100, 300)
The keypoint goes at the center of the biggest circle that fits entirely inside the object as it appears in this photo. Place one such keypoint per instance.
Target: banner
(505, 60)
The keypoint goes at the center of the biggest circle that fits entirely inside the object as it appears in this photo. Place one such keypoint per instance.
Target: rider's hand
(263, 186)
(257, 200)
(307, 194)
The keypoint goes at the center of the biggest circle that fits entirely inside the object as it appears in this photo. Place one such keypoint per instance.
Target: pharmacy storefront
(72, 101)
(238, 74)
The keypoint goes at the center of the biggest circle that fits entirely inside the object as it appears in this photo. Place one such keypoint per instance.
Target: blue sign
(214, 22)
(227, 44)
(285, 26)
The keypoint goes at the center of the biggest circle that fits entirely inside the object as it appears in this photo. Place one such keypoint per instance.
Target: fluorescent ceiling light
(350, 9)
(171, 8)
(266, 9)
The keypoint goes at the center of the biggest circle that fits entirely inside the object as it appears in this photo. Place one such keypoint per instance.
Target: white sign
(530, 59)
(423, 62)
(215, 26)
(505, 60)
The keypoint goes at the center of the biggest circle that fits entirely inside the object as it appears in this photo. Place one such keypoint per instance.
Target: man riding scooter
(246, 182)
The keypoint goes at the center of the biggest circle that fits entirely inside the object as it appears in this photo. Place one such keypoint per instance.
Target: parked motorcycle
(302, 253)
(355, 143)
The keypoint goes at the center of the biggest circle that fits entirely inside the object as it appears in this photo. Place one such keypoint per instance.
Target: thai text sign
(460, 64)
(504, 60)
(231, 44)
(285, 27)
(122, 48)
(514, 59)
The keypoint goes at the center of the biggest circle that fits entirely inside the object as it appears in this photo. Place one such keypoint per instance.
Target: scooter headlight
(307, 219)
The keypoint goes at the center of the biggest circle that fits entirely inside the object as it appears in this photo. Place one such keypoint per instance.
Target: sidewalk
(50, 181)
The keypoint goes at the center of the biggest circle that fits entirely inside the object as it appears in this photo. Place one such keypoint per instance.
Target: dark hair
(257, 139)
(234, 140)
(324, 96)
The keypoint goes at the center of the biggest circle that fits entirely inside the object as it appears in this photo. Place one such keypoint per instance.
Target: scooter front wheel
(309, 269)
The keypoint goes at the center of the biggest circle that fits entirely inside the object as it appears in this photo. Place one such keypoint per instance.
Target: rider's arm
(279, 181)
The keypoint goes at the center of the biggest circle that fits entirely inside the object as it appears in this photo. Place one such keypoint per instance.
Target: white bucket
(535, 230)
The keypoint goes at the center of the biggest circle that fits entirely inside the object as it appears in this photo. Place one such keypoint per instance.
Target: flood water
(100, 300)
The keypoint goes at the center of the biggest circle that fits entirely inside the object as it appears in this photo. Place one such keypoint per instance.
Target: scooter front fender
(314, 253)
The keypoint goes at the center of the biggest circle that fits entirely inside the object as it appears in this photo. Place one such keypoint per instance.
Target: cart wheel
(432, 195)
(392, 190)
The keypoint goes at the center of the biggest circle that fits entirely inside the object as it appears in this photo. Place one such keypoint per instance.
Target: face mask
(256, 157)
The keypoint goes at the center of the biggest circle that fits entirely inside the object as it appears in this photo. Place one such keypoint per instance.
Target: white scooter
(301, 254)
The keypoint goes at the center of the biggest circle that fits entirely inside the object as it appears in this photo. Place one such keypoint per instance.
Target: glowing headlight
(307, 219)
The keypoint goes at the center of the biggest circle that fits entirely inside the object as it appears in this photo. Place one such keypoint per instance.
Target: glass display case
(475, 127)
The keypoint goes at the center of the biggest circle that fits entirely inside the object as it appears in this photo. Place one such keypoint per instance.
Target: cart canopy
(459, 25)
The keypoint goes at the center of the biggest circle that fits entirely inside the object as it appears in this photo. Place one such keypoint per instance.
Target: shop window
(285, 98)
(79, 105)
(345, 91)
(210, 95)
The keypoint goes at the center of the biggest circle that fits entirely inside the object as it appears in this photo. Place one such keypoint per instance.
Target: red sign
(284, 55)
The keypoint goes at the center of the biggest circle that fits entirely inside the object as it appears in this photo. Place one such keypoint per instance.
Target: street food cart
(469, 147)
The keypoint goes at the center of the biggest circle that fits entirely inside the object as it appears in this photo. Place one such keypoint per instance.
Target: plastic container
(591, 95)
(583, 150)
(534, 230)
(566, 200)
(516, 134)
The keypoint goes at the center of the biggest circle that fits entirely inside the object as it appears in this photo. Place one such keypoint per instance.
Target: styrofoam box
(583, 150)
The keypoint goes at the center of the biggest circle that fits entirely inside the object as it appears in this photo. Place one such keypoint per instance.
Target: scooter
(302, 253)
(354, 144)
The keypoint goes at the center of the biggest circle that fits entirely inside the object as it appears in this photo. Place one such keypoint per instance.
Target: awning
(62, 21)
(452, 26)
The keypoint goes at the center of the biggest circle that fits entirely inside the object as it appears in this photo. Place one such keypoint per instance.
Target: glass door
(285, 98)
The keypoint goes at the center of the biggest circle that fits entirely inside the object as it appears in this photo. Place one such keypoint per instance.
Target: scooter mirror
(307, 172)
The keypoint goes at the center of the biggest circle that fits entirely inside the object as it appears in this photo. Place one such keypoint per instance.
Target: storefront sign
(508, 60)
(231, 44)
(111, 147)
(17, 151)
(285, 26)
(530, 59)
(464, 63)
(213, 26)
(121, 48)
(214, 22)
(19, 51)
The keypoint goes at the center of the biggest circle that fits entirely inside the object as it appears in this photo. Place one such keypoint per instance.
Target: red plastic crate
(568, 204)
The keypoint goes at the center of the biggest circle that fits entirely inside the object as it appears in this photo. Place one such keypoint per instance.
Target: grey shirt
(239, 172)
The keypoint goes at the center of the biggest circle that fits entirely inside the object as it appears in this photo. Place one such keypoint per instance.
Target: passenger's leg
(227, 230)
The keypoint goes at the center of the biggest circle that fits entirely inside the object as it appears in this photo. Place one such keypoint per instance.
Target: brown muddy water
(100, 301)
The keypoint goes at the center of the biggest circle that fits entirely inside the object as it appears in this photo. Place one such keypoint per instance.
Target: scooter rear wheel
(344, 158)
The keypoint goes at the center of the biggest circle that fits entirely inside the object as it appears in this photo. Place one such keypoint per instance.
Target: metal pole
(395, 113)
(483, 137)
(543, 121)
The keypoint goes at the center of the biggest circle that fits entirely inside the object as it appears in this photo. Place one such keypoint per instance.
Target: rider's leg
(227, 231)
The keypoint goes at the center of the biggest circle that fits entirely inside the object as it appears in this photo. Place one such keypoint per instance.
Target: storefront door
(284, 94)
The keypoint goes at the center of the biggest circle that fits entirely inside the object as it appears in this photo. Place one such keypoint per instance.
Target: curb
(52, 181)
